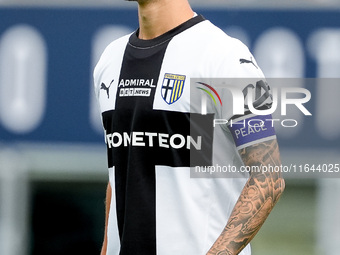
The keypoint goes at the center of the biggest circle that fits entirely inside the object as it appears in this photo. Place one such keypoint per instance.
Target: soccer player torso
(144, 94)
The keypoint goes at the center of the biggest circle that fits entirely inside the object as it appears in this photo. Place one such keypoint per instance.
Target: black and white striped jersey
(143, 88)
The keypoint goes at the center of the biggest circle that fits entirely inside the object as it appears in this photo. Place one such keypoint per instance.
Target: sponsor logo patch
(136, 87)
(130, 92)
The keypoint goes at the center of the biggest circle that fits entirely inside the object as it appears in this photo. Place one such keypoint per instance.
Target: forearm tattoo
(256, 201)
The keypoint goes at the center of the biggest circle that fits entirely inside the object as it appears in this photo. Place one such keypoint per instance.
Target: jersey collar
(139, 43)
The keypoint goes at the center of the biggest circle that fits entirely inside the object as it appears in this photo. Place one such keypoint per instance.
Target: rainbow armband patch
(251, 129)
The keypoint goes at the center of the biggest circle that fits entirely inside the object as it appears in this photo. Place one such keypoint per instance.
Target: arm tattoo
(256, 201)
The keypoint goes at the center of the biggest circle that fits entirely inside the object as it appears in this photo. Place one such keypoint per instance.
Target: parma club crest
(172, 87)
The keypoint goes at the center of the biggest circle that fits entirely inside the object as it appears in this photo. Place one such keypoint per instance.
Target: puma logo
(246, 61)
(107, 89)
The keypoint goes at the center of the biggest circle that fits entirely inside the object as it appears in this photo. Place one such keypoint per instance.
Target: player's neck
(159, 16)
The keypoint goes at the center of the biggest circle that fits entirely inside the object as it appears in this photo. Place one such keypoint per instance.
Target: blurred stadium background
(52, 155)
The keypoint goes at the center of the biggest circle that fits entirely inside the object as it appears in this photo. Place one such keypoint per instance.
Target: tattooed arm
(256, 201)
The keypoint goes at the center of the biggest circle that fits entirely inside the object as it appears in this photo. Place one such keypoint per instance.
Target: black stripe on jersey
(135, 183)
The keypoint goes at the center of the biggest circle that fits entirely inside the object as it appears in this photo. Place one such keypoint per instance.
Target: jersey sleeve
(246, 98)
(104, 70)
(100, 67)
(243, 78)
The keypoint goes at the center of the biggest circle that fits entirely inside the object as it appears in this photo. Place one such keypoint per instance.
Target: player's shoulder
(120, 42)
(230, 56)
(111, 52)
(216, 43)
(220, 41)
